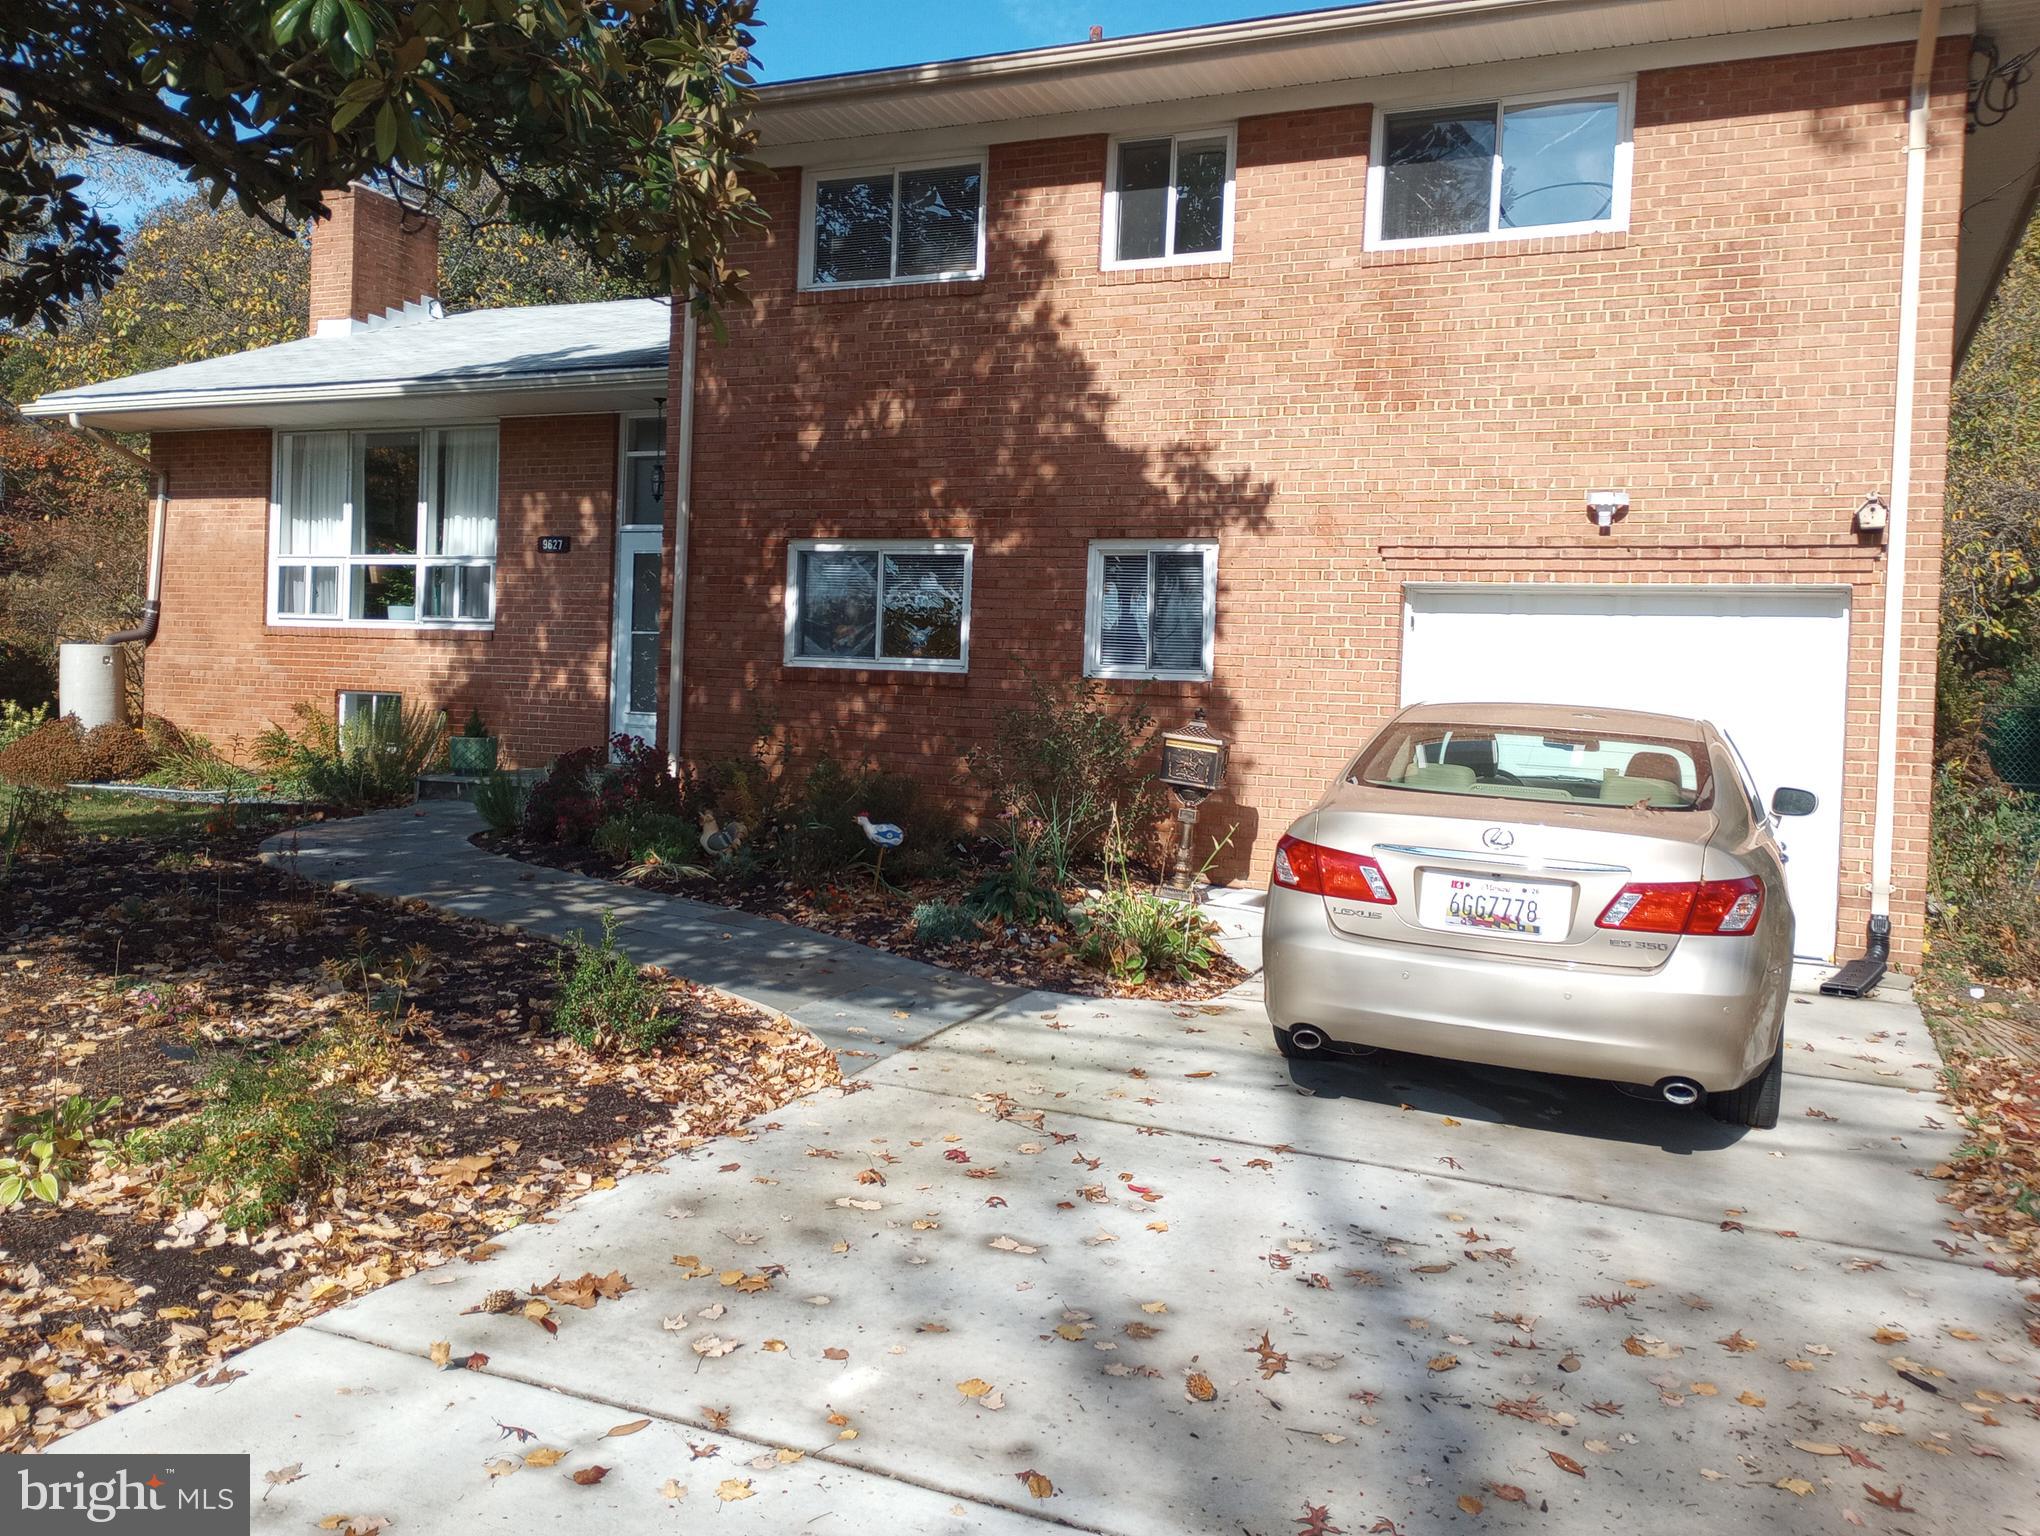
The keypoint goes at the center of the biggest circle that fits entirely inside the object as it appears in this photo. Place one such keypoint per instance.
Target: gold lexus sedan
(1567, 890)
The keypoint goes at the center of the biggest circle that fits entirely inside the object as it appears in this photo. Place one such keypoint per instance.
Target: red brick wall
(369, 255)
(541, 678)
(1345, 422)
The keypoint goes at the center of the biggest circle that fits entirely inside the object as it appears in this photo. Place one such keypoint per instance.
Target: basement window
(894, 224)
(364, 714)
(899, 605)
(393, 527)
(1556, 163)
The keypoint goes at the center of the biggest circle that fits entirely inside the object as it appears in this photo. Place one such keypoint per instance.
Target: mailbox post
(1193, 766)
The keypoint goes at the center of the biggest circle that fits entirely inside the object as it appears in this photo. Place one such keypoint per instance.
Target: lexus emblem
(1498, 837)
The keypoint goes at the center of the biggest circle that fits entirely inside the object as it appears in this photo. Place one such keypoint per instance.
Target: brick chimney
(369, 255)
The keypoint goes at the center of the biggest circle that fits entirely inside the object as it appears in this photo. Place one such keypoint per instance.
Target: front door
(640, 537)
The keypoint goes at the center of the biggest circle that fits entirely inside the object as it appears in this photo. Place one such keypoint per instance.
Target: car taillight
(1319, 871)
(1687, 906)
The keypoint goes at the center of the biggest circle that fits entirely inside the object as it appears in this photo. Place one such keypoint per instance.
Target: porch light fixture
(659, 480)
(1193, 767)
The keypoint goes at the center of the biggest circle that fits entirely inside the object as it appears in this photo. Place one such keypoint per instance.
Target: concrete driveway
(1129, 1271)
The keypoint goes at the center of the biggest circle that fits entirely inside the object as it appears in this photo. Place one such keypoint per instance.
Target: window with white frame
(385, 527)
(365, 714)
(1546, 164)
(892, 604)
(894, 224)
(1151, 609)
(1169, 199)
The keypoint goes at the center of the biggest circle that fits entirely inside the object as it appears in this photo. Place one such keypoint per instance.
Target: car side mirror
(1794, 802)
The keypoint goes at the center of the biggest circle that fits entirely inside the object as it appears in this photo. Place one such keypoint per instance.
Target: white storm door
(636, 661)
(1768, 665)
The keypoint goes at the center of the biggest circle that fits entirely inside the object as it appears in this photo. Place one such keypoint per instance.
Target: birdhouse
(1193, 759)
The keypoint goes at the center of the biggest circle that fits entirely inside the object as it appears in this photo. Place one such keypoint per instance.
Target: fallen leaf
(731, 1489)
(1470, 1504)
(1197, 1387)
(1444, 1362)
(1565, 1463)
(1798, 1487)
(672, 1488)
(1508, 1492)
(628, 1429)
(544, 1456)
(1894, 1500)
(976, 1387)
(1037, 1484)
(588, 1476)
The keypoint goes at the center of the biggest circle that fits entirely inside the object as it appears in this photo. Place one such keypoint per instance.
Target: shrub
(739, 789)
(1061, 767)
(117, 753)
(605, 1001)
(50, 756)
(819, 835)
(16, 721)
(187, 760)
(1985, 909)
(499, 800)
(1020, 890)
(375, 762)
(268, 1133)
(589, 786)
(36, 822)
(944, 922)
(645, 836)
(1135, 936)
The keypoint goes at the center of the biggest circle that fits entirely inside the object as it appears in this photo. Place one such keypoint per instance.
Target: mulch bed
(130, 965)
(856, 908)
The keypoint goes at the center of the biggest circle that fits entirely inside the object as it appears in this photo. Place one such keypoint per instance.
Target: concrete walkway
(1129, 1271)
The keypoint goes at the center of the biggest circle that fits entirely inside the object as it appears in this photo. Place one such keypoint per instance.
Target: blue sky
(823, 37)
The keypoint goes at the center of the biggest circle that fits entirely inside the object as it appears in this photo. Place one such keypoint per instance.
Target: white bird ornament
(883, 835)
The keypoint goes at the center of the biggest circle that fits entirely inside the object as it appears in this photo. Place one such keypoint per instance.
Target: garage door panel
(1768, 665)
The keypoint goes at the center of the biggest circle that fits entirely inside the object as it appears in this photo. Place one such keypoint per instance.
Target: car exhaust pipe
(1680, 1090)
(1304, 1038)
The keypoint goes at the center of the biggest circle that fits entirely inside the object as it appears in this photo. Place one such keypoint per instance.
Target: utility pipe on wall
(159, 519)
(680, 478)
(1918, 105)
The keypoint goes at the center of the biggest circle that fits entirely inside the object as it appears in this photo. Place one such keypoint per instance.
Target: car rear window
(1522, 763)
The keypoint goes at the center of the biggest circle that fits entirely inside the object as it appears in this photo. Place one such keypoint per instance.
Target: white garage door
(1767, 665)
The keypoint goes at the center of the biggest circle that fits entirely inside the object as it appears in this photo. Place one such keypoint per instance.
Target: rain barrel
(88, 684)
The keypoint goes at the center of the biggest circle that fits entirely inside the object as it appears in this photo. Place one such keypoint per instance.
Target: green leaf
(288, 18)
(44, 1187)
(360, 29)
(11, 1189)
(385, 132)
(322, 16)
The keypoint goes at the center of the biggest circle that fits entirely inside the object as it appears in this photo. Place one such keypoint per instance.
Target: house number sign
(554, 544)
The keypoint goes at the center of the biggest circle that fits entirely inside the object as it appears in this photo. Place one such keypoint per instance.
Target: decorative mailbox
(1193, 766)
(1193, 760)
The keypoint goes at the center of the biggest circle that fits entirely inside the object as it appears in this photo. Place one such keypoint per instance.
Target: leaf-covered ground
(856, 907)
(1992, 1046)
(131, 966)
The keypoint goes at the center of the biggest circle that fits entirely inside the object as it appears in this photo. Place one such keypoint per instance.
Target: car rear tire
(1755, 1104)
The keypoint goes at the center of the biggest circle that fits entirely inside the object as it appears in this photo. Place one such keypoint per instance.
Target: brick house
(1294, 369)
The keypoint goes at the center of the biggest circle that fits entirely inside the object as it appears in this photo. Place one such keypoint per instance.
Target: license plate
(1512, 909)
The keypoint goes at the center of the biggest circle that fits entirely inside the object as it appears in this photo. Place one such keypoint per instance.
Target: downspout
(681, 479)
(152, 592)
(1917, 110)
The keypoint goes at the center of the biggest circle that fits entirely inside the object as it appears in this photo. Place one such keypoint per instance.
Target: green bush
(1985, 908)
(646, 836)
(375, 762)
(267, 1135)
(944, 922)
(1059, 769)
(499, 799)
(1135, 936)
(818, 835)
(605, 1002)
(16, 721)
(1021, 890)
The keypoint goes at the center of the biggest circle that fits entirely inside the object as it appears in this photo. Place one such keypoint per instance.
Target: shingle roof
(411, 354)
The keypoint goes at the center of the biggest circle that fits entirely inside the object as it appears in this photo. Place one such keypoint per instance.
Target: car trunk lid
(1498, 876)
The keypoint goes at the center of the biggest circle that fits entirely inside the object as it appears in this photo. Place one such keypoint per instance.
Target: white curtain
(315, 495)
(465, 519)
